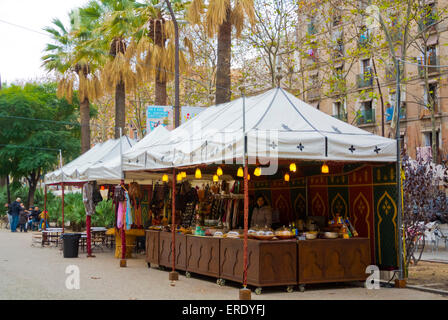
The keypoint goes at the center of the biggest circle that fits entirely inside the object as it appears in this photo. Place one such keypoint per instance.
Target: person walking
(23, 218)
(15, 211)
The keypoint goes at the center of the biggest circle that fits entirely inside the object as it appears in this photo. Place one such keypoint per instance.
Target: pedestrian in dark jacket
(15, 211)
(23, 218)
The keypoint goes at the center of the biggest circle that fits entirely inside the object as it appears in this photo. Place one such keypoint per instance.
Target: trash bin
(71, 244)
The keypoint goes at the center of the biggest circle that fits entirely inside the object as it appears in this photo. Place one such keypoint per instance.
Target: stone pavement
(28, 272)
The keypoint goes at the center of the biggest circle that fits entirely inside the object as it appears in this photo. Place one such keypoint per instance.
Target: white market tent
(79, 170)
(278, 125)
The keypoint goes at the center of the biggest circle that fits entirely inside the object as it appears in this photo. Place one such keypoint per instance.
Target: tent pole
(173, 276)
(62, 186)
(245, 293)
(123, 229)
(63, 222)
(45, 209)
(398, 178)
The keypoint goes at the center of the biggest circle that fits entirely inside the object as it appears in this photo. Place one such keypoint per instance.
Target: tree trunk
(120, 109)
(32, 182)
(84, 111)
(7, 189)
(160, 91)
(223, 80)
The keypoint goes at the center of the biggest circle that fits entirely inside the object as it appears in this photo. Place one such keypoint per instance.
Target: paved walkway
(28, 272)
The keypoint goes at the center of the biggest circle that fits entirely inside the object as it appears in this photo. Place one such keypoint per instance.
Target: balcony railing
(390, 113)
(365, 79)
(429, 22)
(312, 28)
(433, 60)
(313, 93)
(341, 116)
(365, 38)
(366, 117)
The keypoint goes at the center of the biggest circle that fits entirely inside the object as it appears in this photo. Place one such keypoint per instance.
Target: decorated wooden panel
(333, 260)
(165, 250)
(203, 255)
(152, 246)
(232, 259)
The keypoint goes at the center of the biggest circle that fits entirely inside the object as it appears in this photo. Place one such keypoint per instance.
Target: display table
(152, 246)
(131, 236)
(203, 255)
(333, 260)
(165, 250)
(270, 263)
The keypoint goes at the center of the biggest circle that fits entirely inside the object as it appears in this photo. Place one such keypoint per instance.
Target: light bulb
(198, 174)
(257, 171)
(240, 172)
(324, 168)
(215, 178)
(286, 177)
(165, 178)
(248, 176)
(219, 172)
(292, 167)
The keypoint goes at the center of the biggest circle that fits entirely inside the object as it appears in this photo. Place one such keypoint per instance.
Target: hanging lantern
(184, 174)
(198, 174)
(286, 177)
(102, 187)
(165, 178)
(257, 171)
(240, 172)
(219, 172)
(215, 178)
(179, 177)
(248, 176)
(324, 168)
(292, 167)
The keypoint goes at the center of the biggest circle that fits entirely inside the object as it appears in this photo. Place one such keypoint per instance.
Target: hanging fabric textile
(128, 211)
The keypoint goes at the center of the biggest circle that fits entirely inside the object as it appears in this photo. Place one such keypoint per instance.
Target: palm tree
(115, 21)
(156, 49)
(220, 16)
(73, 66)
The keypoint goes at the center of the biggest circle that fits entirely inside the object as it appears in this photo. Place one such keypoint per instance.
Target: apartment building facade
(349, 72)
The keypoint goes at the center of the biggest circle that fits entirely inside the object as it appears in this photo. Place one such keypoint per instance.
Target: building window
(339, 111)
(429, 15)
(337, 19)
(366, 113)
(430, 97)
(312, 26)
(427, 139)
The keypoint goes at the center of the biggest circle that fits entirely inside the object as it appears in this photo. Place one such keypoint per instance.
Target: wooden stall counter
(165, 250)
(332, 260)
(270, 263)
(152, 246)
(203, 255)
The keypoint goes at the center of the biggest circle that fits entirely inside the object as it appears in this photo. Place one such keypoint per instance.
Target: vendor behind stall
(262, 213)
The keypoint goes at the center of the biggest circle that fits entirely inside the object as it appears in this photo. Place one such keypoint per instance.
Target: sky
(22, 47)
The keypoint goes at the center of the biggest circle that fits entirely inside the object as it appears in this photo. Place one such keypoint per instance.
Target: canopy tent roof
(134, 158)
(103, 157)
(278, 126)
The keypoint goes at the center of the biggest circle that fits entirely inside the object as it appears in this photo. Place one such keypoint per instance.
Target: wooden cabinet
(203, 255)
(270, 263)
(165, 250)
(152, 246)
(333, 260)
